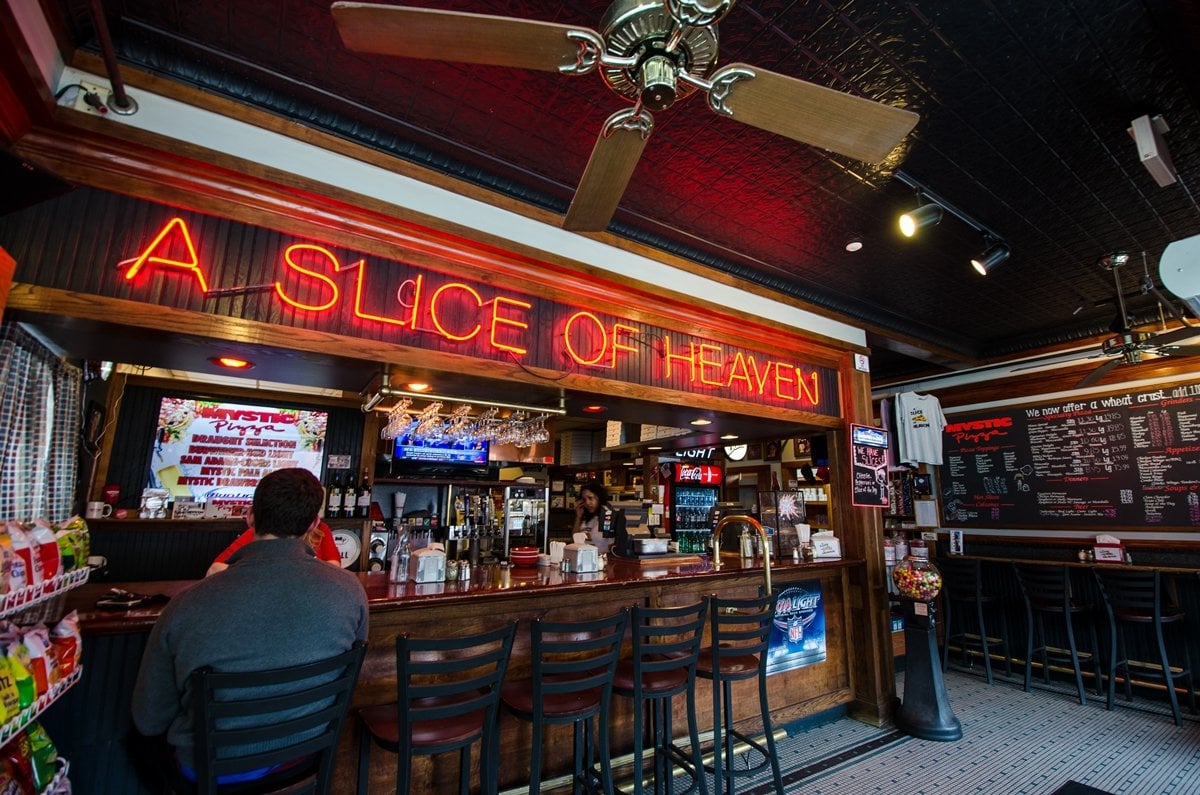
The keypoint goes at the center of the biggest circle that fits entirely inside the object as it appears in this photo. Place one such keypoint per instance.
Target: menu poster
(868, 453)
(798, 636)
(216, 452)
(1127, 459)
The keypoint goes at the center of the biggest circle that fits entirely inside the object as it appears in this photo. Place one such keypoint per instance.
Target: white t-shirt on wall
(919, 424)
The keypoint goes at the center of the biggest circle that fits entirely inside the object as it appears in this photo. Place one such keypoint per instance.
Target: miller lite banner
(700, 474)
(798, 635)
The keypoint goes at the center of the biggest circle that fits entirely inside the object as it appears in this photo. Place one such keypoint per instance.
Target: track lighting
(918, 219)
(995, 256)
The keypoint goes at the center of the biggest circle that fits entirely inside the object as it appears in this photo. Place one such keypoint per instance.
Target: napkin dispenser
(826, 545)
(582, 557)
(427, 564)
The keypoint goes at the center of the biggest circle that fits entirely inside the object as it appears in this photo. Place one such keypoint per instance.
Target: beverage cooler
(692, 491)
(526, 517)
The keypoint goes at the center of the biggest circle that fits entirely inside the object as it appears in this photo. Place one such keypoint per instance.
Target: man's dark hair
(286, 502)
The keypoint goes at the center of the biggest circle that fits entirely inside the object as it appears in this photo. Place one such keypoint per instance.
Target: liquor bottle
(333, 505)
(349, 497)
(364, 497)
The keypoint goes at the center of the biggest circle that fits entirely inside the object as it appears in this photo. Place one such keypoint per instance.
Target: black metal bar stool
(740, 631)
(447, 699)
(573, 666)
(1134, 599)
(666, 645)
(1047, 593)
(963, 595)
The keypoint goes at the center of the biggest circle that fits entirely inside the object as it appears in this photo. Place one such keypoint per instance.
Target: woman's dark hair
(286, 502)
(597, 488)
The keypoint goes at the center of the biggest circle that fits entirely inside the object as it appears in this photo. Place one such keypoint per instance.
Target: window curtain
(40, 410)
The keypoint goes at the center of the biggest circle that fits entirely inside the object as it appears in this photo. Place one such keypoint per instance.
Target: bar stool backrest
(1131, 594)
(961, 579)
(740, 627)
(575, 656)
(257, 719)
(1045, 587)
(448, 679)
(667, 639)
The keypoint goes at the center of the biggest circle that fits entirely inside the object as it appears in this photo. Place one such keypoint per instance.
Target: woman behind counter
(590, 510)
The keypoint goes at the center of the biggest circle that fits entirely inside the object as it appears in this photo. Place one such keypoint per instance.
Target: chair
(962, 596)
(447, 698)
(286, 718)
(573, 663)
(1047, 593)
(740, 632)
(1134, 598)
(666, 644)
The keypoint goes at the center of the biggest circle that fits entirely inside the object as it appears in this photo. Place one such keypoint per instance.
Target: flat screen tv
(471, 454)
(216, 452)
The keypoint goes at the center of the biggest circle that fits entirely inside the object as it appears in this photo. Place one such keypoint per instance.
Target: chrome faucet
(764, 544)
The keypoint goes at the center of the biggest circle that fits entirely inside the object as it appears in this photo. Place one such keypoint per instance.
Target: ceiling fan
(1129, 346)
(653, 52)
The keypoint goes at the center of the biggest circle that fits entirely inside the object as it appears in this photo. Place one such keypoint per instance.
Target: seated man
(275, 606)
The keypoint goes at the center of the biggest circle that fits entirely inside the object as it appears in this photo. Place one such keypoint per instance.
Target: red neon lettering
(291, 263)
(571, 351)
(669, 357)
(810, 392)
(437, 323)
(416, 285)
(784, 377)
(147, 256)
(620, 330)
(706, 364)
(498, 320)
(739, 372)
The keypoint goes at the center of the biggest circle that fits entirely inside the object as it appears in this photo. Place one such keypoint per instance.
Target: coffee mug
(98, 510)
(112, 494)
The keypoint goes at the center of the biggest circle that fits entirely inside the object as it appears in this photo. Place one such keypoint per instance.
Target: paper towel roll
(398, 500)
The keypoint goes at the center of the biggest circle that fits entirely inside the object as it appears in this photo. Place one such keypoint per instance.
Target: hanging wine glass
(399, 421)
(430, 425)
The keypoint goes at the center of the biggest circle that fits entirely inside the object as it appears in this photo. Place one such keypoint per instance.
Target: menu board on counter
(1126, 459)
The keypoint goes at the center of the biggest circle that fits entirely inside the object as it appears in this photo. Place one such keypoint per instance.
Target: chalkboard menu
(1128, 459)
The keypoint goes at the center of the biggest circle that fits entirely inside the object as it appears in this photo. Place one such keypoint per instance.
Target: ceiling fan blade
(809, 113)
(1175, 335)
(1099, 372)
(609, 170)
(465, 38)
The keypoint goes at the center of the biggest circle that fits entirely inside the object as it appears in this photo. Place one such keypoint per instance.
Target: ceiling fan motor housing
(641, 29)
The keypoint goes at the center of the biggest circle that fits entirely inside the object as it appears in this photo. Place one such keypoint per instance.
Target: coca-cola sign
(698, 473)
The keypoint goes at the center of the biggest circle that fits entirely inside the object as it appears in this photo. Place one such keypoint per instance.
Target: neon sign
(483, 320)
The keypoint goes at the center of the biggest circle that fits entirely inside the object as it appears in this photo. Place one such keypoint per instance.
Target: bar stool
(1047, 592)
(573, 666)
(1134, 598)
(963, 595)
(740, 631)
(447, 698)
(666, 644)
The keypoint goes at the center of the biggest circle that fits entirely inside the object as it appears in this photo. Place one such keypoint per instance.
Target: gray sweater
(275, 606)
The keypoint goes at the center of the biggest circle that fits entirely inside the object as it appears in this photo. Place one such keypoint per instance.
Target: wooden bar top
(487, 581)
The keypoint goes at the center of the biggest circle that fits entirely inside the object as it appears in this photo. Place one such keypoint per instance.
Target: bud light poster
(798, 637)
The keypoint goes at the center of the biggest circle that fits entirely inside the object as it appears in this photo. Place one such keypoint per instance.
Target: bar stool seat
(666, 643)
(1133, 598)
(447, 699)
(1047, 594)
(963, 596)
(573, 663)
(740, 631)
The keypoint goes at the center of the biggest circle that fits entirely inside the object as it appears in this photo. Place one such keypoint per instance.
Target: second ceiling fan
(653, 52)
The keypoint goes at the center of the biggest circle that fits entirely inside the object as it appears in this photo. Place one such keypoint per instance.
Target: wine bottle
(333, 505)
(364, 497)
(349, 497)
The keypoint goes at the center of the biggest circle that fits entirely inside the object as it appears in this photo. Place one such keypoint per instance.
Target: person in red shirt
(320, 539)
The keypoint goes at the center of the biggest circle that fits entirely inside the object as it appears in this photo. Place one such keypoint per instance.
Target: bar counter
(114, 640)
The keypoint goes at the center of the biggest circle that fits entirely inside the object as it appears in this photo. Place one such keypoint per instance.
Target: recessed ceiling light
(854, 244)
(627, 463)
(231, 363)
(701, 421)
(655, 447)
(595, 408)
(418, 387)
(729, 436)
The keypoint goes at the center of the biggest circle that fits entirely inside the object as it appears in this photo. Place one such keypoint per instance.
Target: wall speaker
(1147, 133)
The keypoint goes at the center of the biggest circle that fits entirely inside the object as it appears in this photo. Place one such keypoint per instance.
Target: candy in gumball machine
(925, 712)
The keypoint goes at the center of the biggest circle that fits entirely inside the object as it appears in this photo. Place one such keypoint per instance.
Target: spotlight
(854, 244)
(918, 219)
(994, 257)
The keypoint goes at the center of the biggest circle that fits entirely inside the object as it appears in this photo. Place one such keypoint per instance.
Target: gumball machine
(925, 711)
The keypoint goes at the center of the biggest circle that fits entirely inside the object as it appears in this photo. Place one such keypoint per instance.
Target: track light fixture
(916, 220)
(995, 256)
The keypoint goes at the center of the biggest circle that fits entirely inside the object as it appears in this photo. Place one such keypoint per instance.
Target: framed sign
(868, 453)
